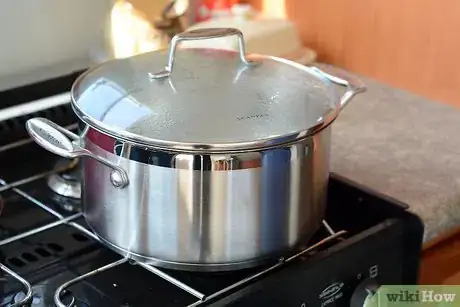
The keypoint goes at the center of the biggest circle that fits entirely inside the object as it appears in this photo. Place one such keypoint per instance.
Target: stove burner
(18, 297)
(66, 183)
(44, 297)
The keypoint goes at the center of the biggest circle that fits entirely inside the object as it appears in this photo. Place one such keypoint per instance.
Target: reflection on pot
(66, 184)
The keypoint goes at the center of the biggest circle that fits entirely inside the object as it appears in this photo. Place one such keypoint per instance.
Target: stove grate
(71, 221)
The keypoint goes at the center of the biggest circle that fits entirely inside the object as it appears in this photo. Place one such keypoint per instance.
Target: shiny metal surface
(66, 183)
(172, 280)
(28, 296)
(212, 102)
(22, 297)
(337, 76)
(365, 294)
(66, 144)
(227, 164)
(225, 216)
(202, 299)
(60, 290)
(201, 34)
(64, 187)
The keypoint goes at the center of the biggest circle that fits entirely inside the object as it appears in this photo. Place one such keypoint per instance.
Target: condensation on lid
(211, 100)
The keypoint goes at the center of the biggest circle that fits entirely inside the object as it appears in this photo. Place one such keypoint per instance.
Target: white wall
(40, 33)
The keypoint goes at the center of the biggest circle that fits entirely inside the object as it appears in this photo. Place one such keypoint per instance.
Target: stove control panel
(356, 290)
(364, 292)
(347, 278)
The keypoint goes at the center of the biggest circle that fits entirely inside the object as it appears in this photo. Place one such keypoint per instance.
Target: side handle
(64, 143)
(340, 77)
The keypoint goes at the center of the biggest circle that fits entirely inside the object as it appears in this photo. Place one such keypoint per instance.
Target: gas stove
(49, 257)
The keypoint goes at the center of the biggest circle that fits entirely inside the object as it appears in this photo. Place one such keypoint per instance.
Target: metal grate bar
(202, 298)
(66, 220)
(336, 235)
(24, 282)
(29, 179)
(266, 271)
(15, 144)
(70, 221)
(40, 229)
(29, 140)
(57, 294)
(172, 280)
(328, 227)
(149, 268)
(85, 231)
(38, 203)
(13, 187)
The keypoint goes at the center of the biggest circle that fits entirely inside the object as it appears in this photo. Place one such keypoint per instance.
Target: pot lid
(205, 99)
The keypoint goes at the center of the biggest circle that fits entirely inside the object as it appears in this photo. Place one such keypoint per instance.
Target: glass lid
(205, 99)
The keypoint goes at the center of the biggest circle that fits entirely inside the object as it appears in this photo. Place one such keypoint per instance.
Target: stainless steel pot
(218, 162)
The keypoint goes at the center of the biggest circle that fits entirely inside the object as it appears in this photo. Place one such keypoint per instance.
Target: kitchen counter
(406, 147)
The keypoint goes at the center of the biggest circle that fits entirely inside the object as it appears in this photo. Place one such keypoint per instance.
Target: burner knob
(364, 292)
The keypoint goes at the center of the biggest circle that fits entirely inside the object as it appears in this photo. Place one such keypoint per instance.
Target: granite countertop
(406, 147)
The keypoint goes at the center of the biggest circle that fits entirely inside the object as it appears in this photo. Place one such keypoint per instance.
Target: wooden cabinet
(409, 44)
(441, 261)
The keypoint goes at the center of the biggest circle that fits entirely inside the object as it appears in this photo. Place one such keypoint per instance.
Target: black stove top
(45, 244)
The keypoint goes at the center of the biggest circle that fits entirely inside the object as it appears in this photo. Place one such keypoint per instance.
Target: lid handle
(201, 34)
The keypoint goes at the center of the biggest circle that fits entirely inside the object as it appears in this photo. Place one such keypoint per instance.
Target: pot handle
(340, 77)
(64, 143)
(201, 34)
